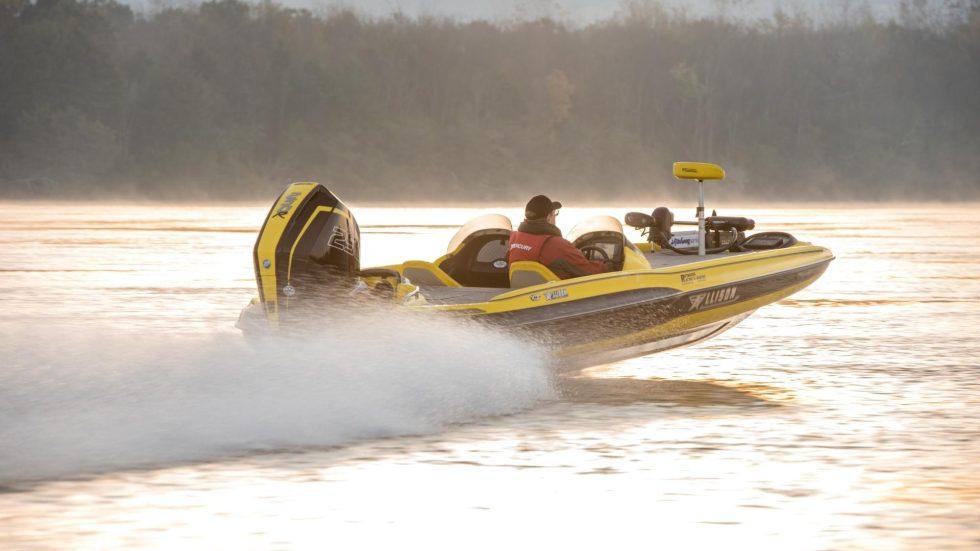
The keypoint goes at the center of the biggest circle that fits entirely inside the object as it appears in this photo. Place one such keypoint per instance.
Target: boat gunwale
(473, 307)
(669, 270)
(676, 294)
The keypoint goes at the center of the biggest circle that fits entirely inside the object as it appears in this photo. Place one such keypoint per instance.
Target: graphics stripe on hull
(618, 345)
(577, 319)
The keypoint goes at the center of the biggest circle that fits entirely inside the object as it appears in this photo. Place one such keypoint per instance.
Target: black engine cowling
(309, 244)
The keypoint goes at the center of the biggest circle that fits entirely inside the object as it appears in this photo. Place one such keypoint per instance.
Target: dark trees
(229, 99)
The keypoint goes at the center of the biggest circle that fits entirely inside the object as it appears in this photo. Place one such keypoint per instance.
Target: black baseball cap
(540, 206)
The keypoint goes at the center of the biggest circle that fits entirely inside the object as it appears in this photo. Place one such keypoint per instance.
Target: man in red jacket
(538, 239)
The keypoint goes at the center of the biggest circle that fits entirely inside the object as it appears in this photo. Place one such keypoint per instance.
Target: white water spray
(88, 401)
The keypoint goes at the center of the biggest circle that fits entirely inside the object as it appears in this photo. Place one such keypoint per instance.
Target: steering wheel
(587, 250)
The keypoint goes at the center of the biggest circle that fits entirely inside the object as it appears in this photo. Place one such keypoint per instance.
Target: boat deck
(469, 295)
(669, 259)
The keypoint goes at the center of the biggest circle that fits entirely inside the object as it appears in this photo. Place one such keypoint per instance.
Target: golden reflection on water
(847, 416)
(624, 391)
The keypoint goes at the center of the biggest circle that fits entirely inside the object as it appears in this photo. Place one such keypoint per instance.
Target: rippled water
(132, 415)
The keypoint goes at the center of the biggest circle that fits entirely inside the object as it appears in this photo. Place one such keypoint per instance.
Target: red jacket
(542, 242)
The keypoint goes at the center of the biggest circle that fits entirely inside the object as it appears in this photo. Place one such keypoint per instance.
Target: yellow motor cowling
(308, 241)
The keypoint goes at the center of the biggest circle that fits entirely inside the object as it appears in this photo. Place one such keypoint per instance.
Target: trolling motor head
(699, 171)
(308, 244)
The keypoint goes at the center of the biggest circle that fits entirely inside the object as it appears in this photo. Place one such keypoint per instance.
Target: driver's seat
(604, 234)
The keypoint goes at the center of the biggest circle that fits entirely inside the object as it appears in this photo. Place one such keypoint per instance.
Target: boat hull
(670, 323)
(611, 317)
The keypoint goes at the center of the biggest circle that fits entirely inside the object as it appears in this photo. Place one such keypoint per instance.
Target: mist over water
(95, 402)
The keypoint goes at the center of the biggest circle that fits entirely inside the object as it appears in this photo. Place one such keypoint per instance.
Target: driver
(539, 240)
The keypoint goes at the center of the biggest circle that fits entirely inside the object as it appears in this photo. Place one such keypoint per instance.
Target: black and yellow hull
(614, 316)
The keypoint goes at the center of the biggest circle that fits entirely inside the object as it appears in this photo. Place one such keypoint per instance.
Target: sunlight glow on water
(845, 416)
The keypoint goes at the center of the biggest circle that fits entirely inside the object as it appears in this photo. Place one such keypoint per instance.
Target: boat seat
(525, 273)
(477, 254)
(601, 232)
(421, 272)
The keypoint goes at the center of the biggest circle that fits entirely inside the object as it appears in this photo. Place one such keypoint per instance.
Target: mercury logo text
(287, 204)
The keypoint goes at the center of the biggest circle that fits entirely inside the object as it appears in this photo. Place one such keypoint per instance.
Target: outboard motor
(309, 246)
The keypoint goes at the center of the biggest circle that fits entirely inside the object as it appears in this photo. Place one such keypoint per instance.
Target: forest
(228, 100)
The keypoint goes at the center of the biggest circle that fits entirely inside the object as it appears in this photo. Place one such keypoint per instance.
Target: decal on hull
(713, 298)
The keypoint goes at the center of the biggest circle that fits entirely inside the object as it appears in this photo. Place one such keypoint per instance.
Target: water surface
(132, 415)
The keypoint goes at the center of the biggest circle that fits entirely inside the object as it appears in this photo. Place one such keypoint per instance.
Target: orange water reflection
(847, 416)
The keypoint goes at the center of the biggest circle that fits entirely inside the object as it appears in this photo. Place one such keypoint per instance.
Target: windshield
(484, 222)
(601, 223)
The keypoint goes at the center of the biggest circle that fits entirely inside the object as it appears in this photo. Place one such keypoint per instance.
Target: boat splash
(94, 401)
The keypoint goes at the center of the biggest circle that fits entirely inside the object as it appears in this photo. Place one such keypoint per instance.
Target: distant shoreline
(229, 99)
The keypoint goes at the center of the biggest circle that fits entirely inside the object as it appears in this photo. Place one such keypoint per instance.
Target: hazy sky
(587, 10)
(580, 11)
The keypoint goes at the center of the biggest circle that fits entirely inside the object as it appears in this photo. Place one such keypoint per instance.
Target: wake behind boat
(675, 289)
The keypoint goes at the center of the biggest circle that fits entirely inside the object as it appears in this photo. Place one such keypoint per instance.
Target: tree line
(230, 100)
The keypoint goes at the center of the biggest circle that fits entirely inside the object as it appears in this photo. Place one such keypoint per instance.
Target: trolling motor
(716, 234)
(721, 233)
(699, 172)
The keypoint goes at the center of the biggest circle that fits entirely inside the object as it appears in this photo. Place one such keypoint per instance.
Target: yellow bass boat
(676, 289)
